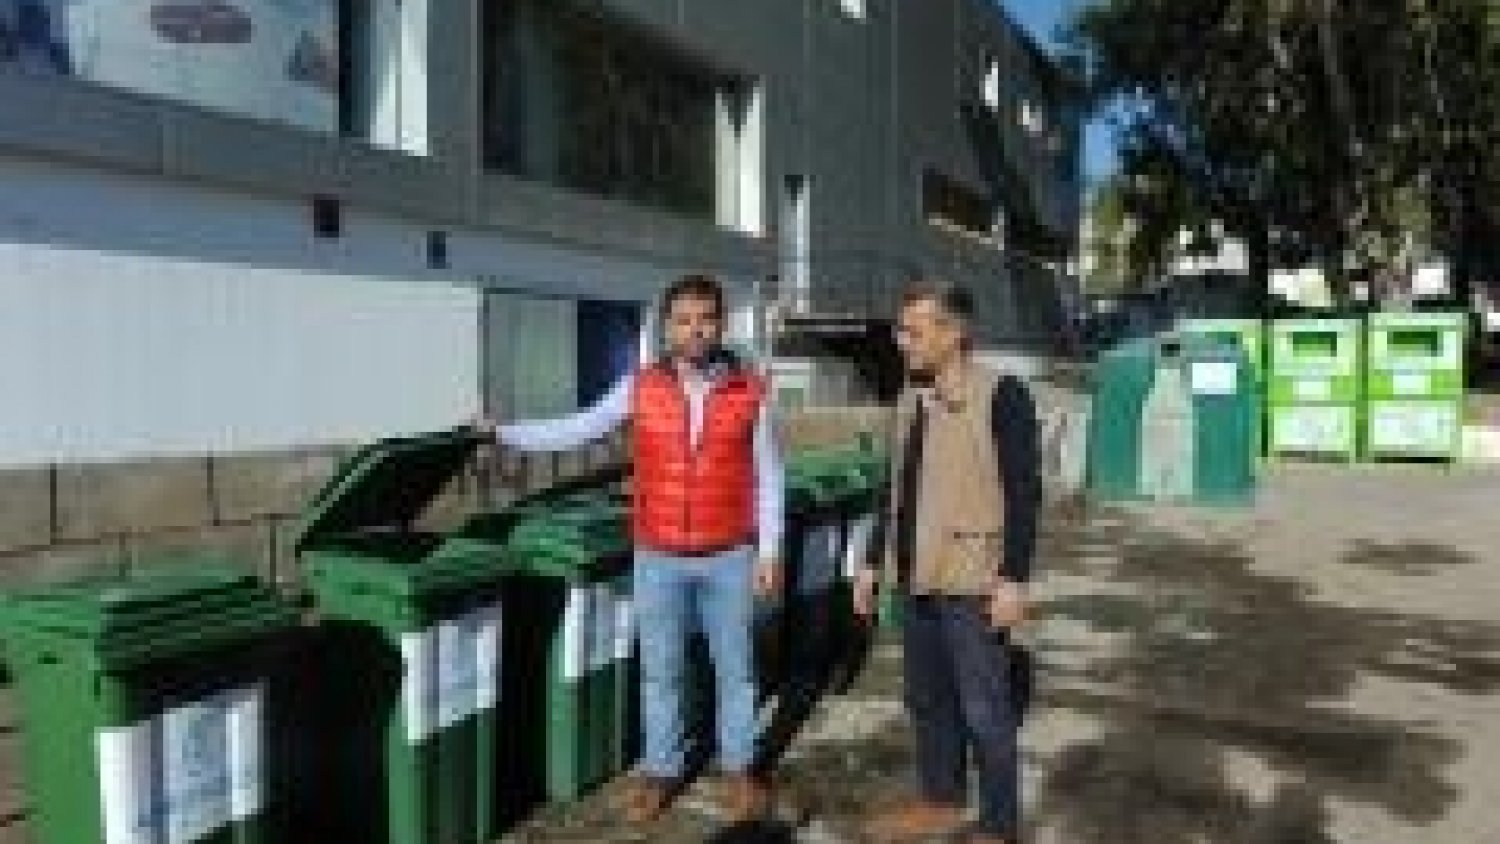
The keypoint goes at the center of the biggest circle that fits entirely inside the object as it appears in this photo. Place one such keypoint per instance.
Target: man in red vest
(707, 522)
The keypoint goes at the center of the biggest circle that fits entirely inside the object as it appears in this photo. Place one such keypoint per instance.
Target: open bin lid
(387, 484)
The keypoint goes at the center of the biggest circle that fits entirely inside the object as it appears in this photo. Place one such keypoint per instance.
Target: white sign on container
(186, 773)
(452, 672)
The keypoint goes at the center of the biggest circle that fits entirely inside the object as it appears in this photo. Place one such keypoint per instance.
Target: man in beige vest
(959, 538)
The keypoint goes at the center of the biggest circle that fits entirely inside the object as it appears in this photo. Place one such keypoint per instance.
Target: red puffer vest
(687, 500)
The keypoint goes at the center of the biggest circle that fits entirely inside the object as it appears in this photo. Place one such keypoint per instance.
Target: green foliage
(1327, 128)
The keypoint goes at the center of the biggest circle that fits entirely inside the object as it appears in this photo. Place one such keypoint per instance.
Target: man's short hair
(694, 286)
(954, 299)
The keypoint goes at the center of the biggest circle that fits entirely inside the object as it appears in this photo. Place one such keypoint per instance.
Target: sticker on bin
(821, 560)
(598, 629)
(1417, 427)
(185, 774)
(1312, 389)
(452, 672)
(1411, 383)
(624, 627)
(1215, 378)
(1313, 428)
(857, 551)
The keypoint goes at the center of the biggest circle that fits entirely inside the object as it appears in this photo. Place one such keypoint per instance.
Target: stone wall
(830, 426)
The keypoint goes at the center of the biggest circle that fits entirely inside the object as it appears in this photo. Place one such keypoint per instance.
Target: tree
(1312, 126)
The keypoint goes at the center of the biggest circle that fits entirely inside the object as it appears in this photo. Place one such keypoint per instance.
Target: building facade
(811, 151)
(237, 236)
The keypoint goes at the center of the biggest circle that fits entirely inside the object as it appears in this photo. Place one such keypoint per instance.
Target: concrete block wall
(835, 426)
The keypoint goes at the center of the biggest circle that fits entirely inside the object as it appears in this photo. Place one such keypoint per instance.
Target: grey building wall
(858, 106)
(862, 107)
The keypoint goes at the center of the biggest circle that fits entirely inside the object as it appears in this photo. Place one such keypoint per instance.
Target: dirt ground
(1321, 668)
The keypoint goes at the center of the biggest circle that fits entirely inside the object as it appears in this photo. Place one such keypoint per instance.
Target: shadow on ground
(1218, 660)
(1411, 559)
(1188, 698)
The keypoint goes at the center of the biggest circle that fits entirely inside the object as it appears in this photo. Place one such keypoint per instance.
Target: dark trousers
(962, 705)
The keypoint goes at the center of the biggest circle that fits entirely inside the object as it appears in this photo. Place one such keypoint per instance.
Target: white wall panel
(110, 356)
(139, 316)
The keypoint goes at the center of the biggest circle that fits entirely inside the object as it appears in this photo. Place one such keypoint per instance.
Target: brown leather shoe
(747, 798)
(914, 820)
(645, 799)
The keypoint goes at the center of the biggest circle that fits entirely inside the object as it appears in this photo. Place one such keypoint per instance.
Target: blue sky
(1042, 17)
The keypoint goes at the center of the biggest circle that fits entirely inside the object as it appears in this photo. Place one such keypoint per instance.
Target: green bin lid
(571, 539)
(152, 616)
(387, 484)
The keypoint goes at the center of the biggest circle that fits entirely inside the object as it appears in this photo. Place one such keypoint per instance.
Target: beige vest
(960, 498)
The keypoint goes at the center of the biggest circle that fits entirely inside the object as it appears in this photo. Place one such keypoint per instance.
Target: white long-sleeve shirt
(613, 410)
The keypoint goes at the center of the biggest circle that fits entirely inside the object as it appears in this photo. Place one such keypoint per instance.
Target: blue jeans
(962, 697)
(676, 597)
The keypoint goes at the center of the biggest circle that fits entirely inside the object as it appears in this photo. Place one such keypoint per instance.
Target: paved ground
(1324, 668)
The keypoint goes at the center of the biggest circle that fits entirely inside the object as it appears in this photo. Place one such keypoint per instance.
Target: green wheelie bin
(570, 670)
(148, 704)
(856, 478)
(814, 562)
(1415, 377)
(1174, 419)
(401, 673)
(1315, 390)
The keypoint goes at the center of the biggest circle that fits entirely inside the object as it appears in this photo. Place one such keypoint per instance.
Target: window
(383, 77)
(853, 8)
(991, 87)
(796, 244)
(1033, 120)
(264, 59)
(327, 218)
(580, 99)
(948, 204)
(437, 251)
(740, 156)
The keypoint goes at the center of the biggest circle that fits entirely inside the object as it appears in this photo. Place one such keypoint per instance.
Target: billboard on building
(270, 59)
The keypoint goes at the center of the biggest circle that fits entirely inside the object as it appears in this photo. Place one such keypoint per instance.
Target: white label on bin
(419, 684)
(490, 640)
(457, 666)
(1313, 429)
(575, 633)
(452, 672)
(183, 775)
(624, 626)
(1426, 428)
(246, 752)
(1410, 383)
(129, 787)
(598, 629)
(822, 559)
(857, 552)
(197, 776)
(1215, 378)
(1312, 389)
(603, 625)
